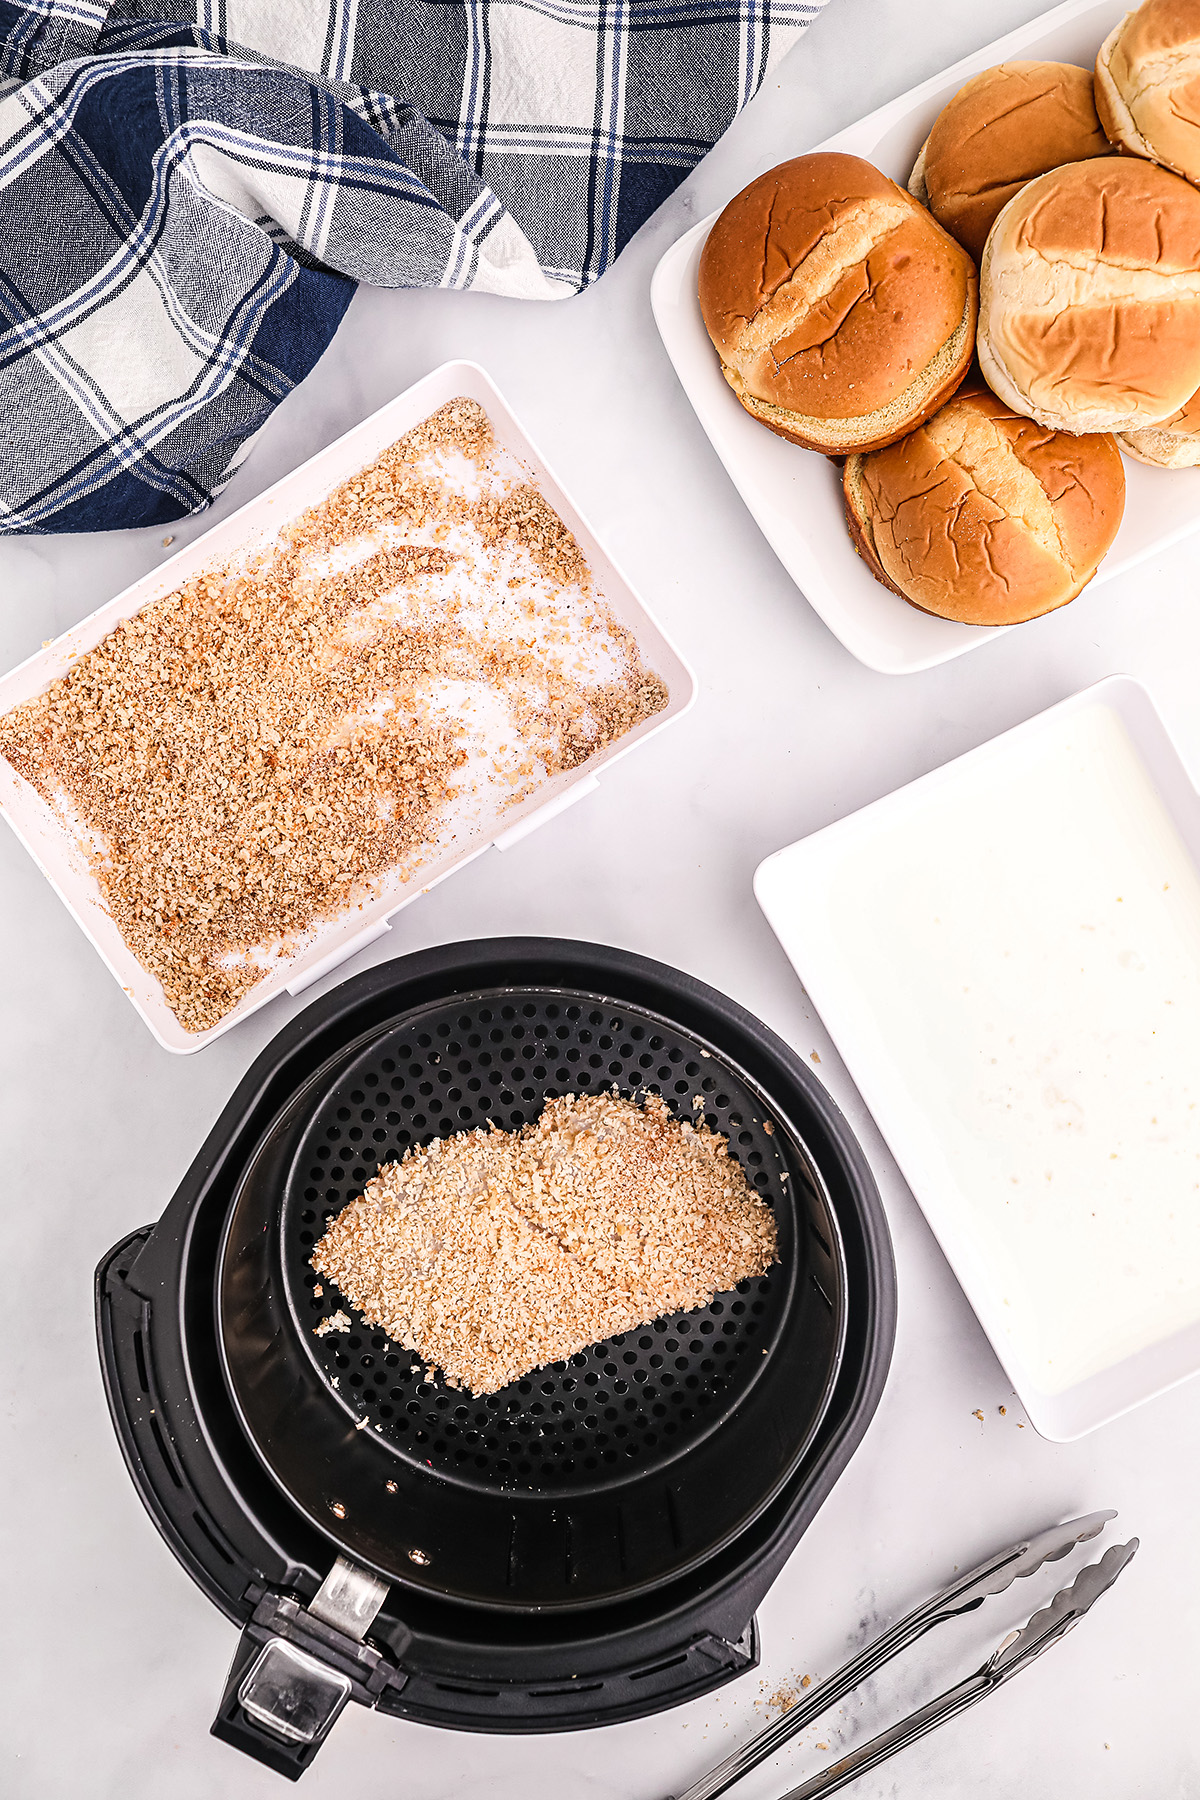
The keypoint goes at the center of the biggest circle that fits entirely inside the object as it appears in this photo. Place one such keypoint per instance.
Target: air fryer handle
(291, 1677)
(240, 1728)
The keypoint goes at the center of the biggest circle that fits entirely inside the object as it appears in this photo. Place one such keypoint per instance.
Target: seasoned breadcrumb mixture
(492, 1253)
(251, 754)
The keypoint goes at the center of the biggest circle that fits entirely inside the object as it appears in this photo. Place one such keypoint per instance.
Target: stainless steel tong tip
(1018, 1562)
(1068, 1606)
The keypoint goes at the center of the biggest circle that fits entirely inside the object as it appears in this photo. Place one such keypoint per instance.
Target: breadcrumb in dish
(254, 753)
(492, 1253)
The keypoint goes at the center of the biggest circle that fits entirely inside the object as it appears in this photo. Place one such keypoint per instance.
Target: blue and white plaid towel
(190, 189)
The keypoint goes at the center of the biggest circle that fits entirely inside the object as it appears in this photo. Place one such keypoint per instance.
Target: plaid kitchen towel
(190, 189)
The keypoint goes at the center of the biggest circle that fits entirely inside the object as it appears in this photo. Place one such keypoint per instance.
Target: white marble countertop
(112, 1660)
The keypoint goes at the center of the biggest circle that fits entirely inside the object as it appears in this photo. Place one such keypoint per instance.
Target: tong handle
(906, 1731)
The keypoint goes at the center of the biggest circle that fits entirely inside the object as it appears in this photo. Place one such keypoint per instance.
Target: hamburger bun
(1175, 444)
(841, 311)
(982, 516)
(1089, 315)
(1148, 84)
(1005, 126)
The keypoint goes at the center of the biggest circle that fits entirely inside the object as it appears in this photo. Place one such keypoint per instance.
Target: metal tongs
(964, 1594)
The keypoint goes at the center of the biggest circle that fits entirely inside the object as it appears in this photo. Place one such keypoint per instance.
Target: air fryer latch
(349, 1599)
(297, 1666)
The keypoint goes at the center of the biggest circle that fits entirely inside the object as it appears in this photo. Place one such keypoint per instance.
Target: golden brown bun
(1089, 316)
(1005, 126)
(982, 516)
(842, 313)
(1148, 84)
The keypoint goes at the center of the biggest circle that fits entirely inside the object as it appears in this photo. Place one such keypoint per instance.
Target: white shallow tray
(57, 852)
(897, 1027)
(794, 495)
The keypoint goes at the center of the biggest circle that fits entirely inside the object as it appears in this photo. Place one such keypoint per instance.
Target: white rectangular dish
(1006, 953)
(796, 496)
(58, 852)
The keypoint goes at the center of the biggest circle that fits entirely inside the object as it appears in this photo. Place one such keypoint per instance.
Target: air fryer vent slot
(672, 1662)
(559, 1693)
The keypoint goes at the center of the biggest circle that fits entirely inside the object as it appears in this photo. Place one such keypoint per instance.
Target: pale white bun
(1162, 449)
(1148, 84)
(1175, 444)
(916, 181)
(1089, 315)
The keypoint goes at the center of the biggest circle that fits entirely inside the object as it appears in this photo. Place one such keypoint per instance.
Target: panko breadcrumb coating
(248, 755)
(492, 1253)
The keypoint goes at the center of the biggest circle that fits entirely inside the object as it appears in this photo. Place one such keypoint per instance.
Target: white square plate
(1006, 953)
(795, 495)
(61, 858)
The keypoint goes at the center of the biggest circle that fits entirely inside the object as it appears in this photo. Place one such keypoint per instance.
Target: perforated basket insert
(590, 1482)
(632, 1403)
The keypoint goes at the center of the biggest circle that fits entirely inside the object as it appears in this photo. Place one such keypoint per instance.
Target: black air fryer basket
(589, 1544)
